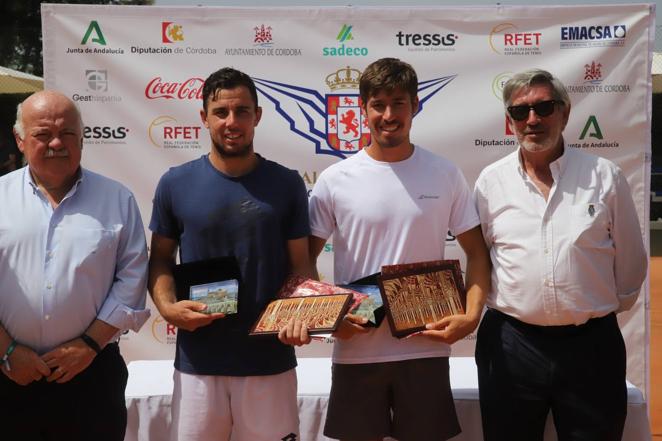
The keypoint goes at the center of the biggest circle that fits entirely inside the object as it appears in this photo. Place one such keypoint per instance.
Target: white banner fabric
(137, 74)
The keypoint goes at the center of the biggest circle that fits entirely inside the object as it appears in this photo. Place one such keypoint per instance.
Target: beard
(535, 147)
(241, 152)
(550, 142)
(391, 143)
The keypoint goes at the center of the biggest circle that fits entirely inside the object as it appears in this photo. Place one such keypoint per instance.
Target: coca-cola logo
(190, 89)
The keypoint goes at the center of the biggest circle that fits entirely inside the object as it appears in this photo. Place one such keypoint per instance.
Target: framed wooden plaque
(420, 293)
(322, 314)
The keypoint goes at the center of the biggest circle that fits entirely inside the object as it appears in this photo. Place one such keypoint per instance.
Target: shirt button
(49, 286)
(546, 251)
(47, 317)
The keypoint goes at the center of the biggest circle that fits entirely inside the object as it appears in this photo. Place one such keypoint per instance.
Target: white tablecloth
(149, 389)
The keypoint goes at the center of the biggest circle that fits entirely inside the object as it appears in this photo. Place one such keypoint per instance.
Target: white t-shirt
(383, 213)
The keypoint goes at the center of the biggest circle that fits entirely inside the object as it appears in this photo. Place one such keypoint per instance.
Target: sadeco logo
(343, 50)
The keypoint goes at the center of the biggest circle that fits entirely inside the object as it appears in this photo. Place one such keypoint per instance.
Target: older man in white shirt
(567, 255)
(73, 267)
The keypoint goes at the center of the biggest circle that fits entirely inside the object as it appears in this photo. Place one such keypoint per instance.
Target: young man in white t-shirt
(393, 203)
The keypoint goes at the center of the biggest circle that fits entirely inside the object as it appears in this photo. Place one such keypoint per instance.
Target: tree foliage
(20, 45)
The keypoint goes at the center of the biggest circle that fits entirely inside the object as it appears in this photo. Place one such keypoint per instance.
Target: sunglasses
(543, 108)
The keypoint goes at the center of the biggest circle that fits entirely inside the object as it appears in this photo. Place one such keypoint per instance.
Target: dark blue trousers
(89, 407)
(576, 372)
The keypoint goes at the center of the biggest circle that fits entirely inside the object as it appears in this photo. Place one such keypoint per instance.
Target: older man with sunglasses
(567, 253)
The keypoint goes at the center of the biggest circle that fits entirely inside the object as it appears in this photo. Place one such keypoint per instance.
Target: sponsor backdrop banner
(137, 74)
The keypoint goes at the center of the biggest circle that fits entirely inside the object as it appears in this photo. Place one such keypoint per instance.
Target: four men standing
(560, 225)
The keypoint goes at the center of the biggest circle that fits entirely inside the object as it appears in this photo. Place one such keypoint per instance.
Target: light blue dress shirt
(62, 268)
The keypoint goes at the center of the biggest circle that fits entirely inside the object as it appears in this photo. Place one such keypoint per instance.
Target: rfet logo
(334, 123)
(164, 332)
(190, 89)
(166, 132)
(507, 39)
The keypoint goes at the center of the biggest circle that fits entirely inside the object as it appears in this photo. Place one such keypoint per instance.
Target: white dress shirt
(575, 256)
(62, 268)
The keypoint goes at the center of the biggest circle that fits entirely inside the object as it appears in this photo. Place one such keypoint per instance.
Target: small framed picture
(219, 296)
(322, 314)
(417, 294)
(214, 282)
(372, 307)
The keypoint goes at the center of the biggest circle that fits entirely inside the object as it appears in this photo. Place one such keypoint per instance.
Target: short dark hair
(227, 78)
(388, 74)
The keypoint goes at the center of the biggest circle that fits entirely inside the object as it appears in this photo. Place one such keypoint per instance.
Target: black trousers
(89, 407)
(576, 372)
